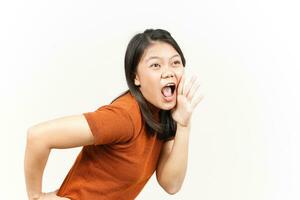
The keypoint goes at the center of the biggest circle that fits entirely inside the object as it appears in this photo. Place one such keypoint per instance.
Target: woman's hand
(187, 100)
(52, 196)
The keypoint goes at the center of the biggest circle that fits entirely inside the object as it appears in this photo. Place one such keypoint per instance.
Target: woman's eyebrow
(176, 55)
(153, 57)
(157, 57)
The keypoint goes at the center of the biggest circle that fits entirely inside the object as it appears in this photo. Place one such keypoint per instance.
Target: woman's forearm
(176, 165)
(36, 156)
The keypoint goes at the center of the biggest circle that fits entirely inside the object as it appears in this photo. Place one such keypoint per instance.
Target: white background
(61, 58)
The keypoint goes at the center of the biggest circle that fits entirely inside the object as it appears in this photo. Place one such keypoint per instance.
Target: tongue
(167, 92)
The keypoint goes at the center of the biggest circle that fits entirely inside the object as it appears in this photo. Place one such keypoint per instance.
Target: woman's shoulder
(127, 102)
(124, 103)
(129, 105)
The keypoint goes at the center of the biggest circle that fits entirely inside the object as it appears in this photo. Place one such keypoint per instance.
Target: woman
(146, 129)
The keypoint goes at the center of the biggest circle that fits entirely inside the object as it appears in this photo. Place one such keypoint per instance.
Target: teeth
(169, 84)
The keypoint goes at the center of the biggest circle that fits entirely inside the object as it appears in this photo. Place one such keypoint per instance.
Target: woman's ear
(137, 80)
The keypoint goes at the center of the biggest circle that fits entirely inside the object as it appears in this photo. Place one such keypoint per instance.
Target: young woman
(144, 130)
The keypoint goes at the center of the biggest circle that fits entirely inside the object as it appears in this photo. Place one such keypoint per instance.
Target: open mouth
(168, 90)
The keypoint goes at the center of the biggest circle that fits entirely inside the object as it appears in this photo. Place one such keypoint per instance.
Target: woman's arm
(65, 132)
(172, 164)
(171, 169)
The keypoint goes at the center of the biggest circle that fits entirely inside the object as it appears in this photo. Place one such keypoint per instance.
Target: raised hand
(187, 99)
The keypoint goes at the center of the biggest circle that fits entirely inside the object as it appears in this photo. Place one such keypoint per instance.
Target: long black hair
(166, 126)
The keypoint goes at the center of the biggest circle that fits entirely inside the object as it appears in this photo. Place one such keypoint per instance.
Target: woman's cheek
(179, 72)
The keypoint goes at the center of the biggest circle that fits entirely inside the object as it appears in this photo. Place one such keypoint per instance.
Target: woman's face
(158, 74)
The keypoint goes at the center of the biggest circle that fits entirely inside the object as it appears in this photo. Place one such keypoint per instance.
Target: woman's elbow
(170, 187)
(31, 136)
(172, 191)
(34, 137)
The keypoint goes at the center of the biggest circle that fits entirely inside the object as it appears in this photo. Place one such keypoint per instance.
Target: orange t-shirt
(122, 159)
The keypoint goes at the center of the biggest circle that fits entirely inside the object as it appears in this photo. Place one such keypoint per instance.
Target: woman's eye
(177, 62)
(155, 65)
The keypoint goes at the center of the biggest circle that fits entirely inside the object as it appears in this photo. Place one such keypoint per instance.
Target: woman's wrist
(184, 125)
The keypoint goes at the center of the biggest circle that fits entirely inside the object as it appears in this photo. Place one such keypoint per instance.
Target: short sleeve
(110, 124)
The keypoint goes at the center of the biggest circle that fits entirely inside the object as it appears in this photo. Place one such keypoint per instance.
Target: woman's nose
(167, 74)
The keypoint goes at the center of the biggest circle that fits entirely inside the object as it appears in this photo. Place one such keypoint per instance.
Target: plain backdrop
(61, 58)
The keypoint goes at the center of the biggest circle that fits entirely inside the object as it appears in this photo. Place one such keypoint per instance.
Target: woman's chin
(168, 106)
(162, 104)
